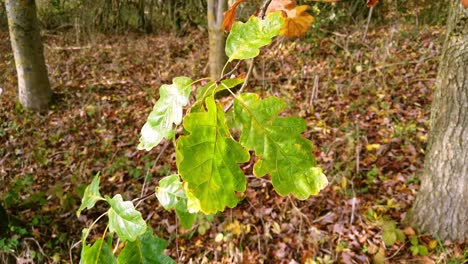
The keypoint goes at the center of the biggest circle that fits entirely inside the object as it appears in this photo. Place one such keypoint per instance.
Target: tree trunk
(441, 206)
(33, 83)
(217, 40)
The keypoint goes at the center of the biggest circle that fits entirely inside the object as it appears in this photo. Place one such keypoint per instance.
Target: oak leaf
(230, 15)
(297, 20)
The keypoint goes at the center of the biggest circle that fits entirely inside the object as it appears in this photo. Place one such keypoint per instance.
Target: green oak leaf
(171, 195)
(146, 249)
(91, 195)
(166, 112)
(207, 159)
(246, 39)
(99, 252)
(278, 144)
(124, 219)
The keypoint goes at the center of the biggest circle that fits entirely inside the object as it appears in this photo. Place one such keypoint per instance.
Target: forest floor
(366, 103)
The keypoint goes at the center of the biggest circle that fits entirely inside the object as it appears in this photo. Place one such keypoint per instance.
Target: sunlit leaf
(297, 23)
(171, 195)
(146, 249)
(278, 144)
(166, 112)
(99, 252)
(91, 195)
(246, 39)
(124, 219)
(297, 20)
(170, 191)
(208, 158)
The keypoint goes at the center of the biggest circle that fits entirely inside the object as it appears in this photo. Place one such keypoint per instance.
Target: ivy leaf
(246, 39)
(166, 112)
(207, 159)
(147, 249)
(91, 195)
(99, 252)
(124, 219)
(171, 195)
(278, 143)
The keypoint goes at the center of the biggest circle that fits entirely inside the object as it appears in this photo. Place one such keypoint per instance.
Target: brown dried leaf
(230, 15)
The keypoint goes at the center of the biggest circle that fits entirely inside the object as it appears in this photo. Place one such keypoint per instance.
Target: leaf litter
(367, 110)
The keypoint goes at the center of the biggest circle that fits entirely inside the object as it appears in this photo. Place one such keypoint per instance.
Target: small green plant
(416, 248)
(209, 178)
(391, 234)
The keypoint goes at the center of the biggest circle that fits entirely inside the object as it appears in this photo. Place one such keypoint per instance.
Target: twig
(368, 22)
(314, 93)
(358, 150)
(70, 250)
(249, 72)
(4, 158)
(263, 8)
(230, 72)
(143, 188)
(39, 246)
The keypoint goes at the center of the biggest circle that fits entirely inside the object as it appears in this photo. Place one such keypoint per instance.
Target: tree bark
(217, 40)
(33, 83)
(441, 205)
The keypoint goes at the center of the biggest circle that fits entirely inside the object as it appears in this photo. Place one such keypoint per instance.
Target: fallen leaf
(409, 231)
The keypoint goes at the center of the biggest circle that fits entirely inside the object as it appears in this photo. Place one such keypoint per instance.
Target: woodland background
(366, 100)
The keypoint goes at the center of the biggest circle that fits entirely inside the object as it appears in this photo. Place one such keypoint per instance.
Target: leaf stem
(91, 226)
(225, 76)
(222, 72)
(249, 72)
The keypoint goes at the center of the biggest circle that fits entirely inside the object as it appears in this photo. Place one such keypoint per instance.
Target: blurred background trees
(86, 17)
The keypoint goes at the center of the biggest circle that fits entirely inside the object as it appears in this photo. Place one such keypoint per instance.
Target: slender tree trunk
(441, 206)
(33, 83)
(217, 40)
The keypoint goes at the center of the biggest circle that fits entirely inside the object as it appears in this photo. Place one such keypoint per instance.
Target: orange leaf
(371, 3)
(230, 15)
(298, 22)
(281, 5)
(464, 3)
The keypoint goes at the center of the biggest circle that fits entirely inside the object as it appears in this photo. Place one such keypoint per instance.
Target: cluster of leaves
(296, 20)
(208, 155)
(128, 224)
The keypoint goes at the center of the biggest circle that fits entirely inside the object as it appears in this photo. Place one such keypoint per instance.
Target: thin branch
(225, 76)
(368, 22)
(249, 72)
(263, 8)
